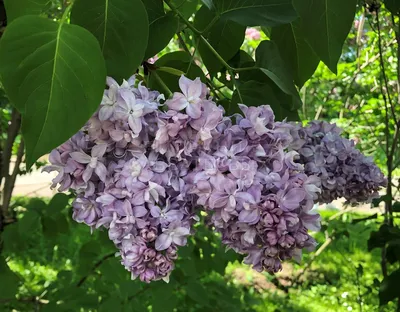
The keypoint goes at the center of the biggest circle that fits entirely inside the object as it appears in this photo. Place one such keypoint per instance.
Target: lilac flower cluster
(128, 167)
(259, 196)
(142, 169)
(344, 171)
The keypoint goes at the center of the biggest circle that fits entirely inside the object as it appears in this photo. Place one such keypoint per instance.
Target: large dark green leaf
(255, 93)
(389, 289)
(154, 9)
(225, 36)
(271, 64)
(255, 12)
(186, 7)
(17, 8)
(121, 27)
(160, 33)
(54, 74)
(295, 51)
(325, 26)
(9, 281)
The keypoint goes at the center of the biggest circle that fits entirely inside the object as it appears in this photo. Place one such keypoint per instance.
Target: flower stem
(66, 12)
(162, 83)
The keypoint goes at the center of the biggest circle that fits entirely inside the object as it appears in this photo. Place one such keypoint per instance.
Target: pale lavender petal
(163, 241)
(139, 211)
(87, 174)
(80, 157)
(99, 150)
(101, 171)
(194, 110)
(178, 102)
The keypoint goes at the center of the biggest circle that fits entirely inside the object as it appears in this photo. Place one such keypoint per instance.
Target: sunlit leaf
(54, 74)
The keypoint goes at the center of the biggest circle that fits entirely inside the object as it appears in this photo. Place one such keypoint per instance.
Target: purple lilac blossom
(258, 196)
(344, 171)
(143, 173)
(128, 167)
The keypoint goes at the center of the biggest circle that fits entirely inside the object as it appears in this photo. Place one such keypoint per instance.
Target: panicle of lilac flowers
(142, 173)
(259, 197)
(344, 171)
(128, 167)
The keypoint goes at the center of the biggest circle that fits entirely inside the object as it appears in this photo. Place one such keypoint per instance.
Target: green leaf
(54, 225)
(295, 51)
(396, 207)
(121, 27)
(87, 256)
(163, 303)
(267, 31)
(325, 26)
(36, 204)
(161, 31)
(197, 292)
(9, 281)
(113, 271)
(389, 289)
(17, 8)
(255, 12)
(225, 36)
(61, 71)
(377, 201)
(154, 9)
(110, 304)
(57, 204)
(393, 251)
(271, 64)
(29, 223)
(258, 93)
(384, 235)
(186, 7)
(393, 6)
(179, 60)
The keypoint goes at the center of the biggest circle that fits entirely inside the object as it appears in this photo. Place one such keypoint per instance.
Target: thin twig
(328, 241)
(9, 181)
(12, 132)
(182, 43)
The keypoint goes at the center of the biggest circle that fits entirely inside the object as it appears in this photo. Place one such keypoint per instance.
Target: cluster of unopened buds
(144, 167)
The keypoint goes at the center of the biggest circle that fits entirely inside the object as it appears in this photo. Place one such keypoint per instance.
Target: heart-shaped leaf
(295, 51)
(121, 27)
(254, 12)
(325, 26)
(271, 64)
(160, 33)
(54, 74)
